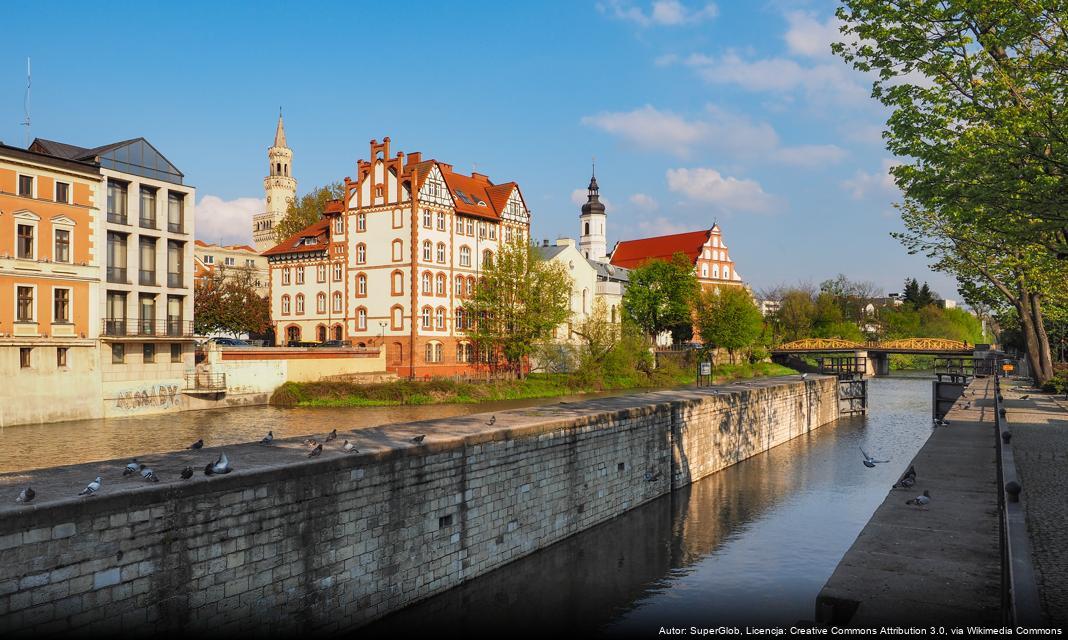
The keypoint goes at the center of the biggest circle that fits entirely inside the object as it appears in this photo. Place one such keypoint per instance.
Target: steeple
(280, 188)
(593, 223)
(280, 132)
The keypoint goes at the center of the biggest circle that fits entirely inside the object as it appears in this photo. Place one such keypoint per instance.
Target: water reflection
(751, 544)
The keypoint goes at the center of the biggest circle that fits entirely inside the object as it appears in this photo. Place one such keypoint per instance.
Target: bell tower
(592, 225)
(279, 186)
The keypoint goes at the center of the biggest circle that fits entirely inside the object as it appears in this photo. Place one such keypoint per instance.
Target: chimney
(545, 242)
(480, 176)
(415, 157)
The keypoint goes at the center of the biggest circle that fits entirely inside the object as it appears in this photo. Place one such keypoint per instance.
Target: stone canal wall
(286, 543)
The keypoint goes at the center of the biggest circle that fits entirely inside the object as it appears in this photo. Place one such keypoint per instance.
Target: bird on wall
(921, 500)
(310, 442)
(908, 479)
(26, 495)
(804, 376)
(148, 474)
(268, 439)
(869, 461)
(199, 444)
(492, 420)
(1025, 397)
(131, 468)
(91, 488)
(330, 436)
(349, 447)
(187, 473)
(219, 467)
(314, 453)
(418, 439)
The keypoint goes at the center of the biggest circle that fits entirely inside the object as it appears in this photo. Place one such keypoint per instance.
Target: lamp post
(381, 333)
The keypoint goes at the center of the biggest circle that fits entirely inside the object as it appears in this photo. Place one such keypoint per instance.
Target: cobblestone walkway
(1040, 443)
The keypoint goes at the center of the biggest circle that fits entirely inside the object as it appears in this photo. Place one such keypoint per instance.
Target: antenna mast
(26, 103)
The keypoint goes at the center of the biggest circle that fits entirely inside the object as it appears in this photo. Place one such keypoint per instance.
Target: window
(320, 273)
(361, 253)
(26, 186)
(726, 273)
(361, 319)
(440, 318)
(487, 259)
(398, 283)
(481, 229)
(61, 357)
(396, 316)
(148, 208)
(338, 332)
(441, 252)
(285, 305)
(63, 192)
(433, 352)
(60, 305)
(361, 222)
(508, 234)
(337, 272)
(116, 202)
(427, 286)
(176, 352)
(149, 351)
(300, 303)
(175, 264)
(459, 318)
(493, 232)
(285, 274)
(337, 302)
(320, 303)
(25, 354)
(715, 271)
(25, 241)
(465, 256)
(426, 317)
(249, 262)
(441, 221)
(442, 287)
(398, 250)
(339, 225)
(62, 249)
(398, 219)
(300, 274)
(24, 297)
(471, 228)
(361, 285)
(461, 351)
(704, 271)
(175, 213)
(459, 285)
(211, 260)
(118, 353)
(320, 333)
(426, 218)
(470, 286)
(229, 262)
(427, 251)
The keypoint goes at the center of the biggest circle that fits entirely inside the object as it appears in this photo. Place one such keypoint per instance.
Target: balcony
(117, 275)
(172, 328)
(118, 218)
(147, 278)
(209, 382)
(148, 223)
(175, 280)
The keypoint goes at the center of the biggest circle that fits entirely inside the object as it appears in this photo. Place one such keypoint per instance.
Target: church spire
(280, 132)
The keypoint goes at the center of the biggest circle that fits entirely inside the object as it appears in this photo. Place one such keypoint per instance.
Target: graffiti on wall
(163, 396)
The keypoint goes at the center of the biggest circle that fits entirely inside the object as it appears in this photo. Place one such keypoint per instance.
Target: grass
(538, 385)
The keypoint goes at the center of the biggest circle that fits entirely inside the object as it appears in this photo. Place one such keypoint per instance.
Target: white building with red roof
(705, 250)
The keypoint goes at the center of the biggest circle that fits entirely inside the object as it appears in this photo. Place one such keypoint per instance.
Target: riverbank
(446, 391)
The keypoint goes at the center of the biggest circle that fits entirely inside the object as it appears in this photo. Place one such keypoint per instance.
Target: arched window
(587, 232)
(361, 222)
(398, 283)
(398, 250)
(361, 253)
(361, 285)
(726, 273)
(320, 273)
(461, 352)
(441, 252)
(337, 302)
(285, 305)
(427, 250)
(465, 256)
(437, 352)
(278, 169)
(487, 259)
(426, 218)
(470, 285)
(337, 272)
(361, 319)
(300, 275)
(320, 333)
(459, 318)
(396, 316)
(440, 318)
(300, 303)
(293, 333)
(285, 275)
(427, 284)
(426, 317)
(338, 332)
(320, 303)
(459, 285)
(442, 288)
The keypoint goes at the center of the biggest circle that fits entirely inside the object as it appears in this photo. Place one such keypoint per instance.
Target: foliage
(225, 301)
(659, 295)
(852, 297)
(519, 299)
(307, 209)
(728, 319)
(916, 296)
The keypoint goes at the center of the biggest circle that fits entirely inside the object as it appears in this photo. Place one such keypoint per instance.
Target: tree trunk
(1027, 329)
(1045, 357)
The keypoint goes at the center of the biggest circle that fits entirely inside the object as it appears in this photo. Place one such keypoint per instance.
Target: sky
(696, 112)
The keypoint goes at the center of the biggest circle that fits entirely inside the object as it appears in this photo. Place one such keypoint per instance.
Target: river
(752, 544)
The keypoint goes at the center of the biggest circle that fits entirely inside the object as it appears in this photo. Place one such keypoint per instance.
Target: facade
(280, 190)
(49, 285)
(209, 257)
(583, 283)
(411, 241)
(705, 249)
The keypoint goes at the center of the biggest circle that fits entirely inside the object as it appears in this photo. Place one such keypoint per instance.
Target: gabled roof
(470, 194)
(314, 237)
(548, 253)
(634, 253)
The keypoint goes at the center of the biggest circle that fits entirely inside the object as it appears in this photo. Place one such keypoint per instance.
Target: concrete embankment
(287, 543)
(937, 564)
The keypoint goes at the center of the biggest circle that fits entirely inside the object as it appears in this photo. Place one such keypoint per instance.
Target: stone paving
(1039, 426)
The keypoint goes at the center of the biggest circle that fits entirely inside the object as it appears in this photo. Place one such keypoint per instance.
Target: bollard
(1013, 488)
(1006, 437)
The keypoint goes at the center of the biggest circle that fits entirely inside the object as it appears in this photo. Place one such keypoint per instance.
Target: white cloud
(833, 80)
(664, 13)
(810, 155)
(652, 129)
(729, 193)
(878, 183)
(227, 221)
(644, 203)
(809, 37)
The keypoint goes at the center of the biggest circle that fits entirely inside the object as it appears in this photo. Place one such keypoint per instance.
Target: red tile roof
(634, 253)
(470, 194)
(319, 233)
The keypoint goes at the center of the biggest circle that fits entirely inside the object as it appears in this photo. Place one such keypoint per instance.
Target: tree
(917, 296)
(597, 334)
(795, 314)
(519, 299)
(727, 318)
(225, 301)
(659, 295)
(306, 210)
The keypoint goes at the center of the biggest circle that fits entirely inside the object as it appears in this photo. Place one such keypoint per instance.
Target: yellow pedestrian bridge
(875, 354)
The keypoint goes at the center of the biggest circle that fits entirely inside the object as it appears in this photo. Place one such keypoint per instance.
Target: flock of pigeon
(908, 479)
(221, 466)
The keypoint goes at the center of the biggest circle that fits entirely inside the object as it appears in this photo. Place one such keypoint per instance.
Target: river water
(752, 544)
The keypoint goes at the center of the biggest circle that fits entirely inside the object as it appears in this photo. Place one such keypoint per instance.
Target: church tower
(280, 189)
(592, 226)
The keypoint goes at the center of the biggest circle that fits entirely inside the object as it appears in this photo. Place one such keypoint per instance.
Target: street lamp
(381, 332)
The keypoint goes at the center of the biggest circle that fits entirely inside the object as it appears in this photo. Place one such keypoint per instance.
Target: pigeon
(26, 495)
(652, 477)
(349, 447)
(310, 442)
(148, 474)
(908, 479)
(492, 420)
(1025, 397)
(199, 444)
(804, 376)
(941, 423)
(316, 451)
(220, 466)
(331, 436)
(418, 439)
(268, 439)
(91, 488)
(869, 461)
(187, 473)
(131, 468)
(920, 501)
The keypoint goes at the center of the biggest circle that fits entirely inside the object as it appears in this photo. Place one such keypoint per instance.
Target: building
(704, 249)
(49, 285)
(145, 256)
(410, 243)
(769, 307)
(593, 225)
(583, 282)
(209, 257)
(280, 190)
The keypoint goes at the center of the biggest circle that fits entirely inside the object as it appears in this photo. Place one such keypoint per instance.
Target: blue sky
(696, 112)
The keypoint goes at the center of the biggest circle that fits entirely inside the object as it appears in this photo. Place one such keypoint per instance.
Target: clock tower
(280, 188)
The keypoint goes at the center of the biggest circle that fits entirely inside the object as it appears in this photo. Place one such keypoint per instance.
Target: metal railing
(139, 328)
(205, 381)
(147, 223)
(117, 275)
(146, 277)
(174, 279)
(1019, 588)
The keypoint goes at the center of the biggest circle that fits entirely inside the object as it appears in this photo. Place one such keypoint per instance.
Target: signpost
(704, 374)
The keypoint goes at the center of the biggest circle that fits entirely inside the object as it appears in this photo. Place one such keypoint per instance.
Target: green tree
(728, 319)
(795, 315)
(659, 295)
(519, 299)
(225, 301)
(307, 209)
